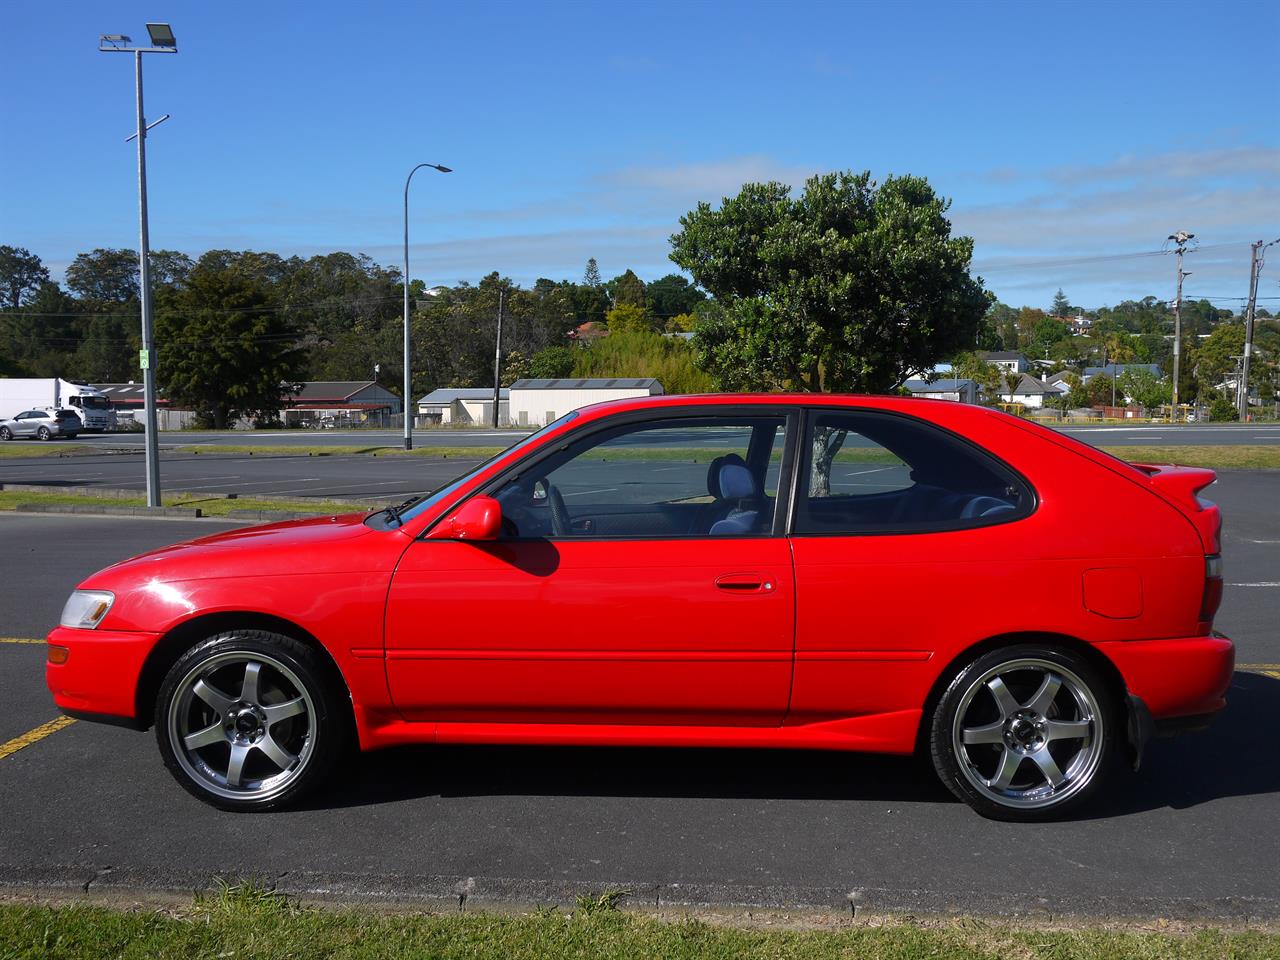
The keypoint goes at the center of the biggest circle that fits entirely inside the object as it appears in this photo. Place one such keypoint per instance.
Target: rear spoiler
(1181, 486)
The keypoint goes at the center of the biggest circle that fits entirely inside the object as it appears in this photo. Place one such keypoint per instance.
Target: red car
(845, 573)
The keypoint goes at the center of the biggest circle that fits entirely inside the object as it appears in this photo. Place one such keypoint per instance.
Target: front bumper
(101, 671)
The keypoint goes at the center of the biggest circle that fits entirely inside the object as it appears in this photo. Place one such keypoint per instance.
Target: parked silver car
(42, 424)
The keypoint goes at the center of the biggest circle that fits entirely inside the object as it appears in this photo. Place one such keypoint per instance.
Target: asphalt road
(1214, 434)
(1193, 834)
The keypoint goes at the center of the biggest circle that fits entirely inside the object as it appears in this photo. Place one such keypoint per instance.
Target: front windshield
(94, 403)
(417, 507)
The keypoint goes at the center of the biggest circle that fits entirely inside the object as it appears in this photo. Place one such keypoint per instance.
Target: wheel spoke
(203, 738)
(283, 711)
(1067, 729)
(990, 733)
(1043, 759)
(1043, 697)
(235, 768)
(277, 754)
(1009, 763)
(249, 691)
(1005, 700)
(213, 697)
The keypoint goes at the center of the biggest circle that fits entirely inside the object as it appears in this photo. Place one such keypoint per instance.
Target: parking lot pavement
(1191, 835)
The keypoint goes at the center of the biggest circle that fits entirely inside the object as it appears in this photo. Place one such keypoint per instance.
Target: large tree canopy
(852, 286)
(21, 274)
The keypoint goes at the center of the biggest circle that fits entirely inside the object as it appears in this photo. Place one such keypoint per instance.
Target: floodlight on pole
(409, 406)
(162, 41)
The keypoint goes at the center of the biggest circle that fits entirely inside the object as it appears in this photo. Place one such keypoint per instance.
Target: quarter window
(705, 477)
(866, 472)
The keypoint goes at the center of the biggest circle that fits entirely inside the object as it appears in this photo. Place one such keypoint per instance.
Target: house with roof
(1009, 361)
(463, 405)
(961, 390)
(537, 402)
(1029, 392)
(339, 403)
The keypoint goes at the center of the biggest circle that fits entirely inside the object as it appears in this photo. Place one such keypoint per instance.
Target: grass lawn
(51, 449)
(209, 506)
(1243, 455)
(252, 924)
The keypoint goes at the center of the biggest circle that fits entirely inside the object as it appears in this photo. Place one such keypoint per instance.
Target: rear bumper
(1185, 677)
(100, 675)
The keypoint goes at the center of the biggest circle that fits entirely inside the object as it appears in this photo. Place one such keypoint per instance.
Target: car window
(868, 472)
(704, 477)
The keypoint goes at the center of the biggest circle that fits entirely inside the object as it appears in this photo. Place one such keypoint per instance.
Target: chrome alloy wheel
(1028, 734)
(241, 725)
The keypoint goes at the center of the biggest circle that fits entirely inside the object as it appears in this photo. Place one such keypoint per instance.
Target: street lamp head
(161, 35)
(442, 169)
(114, 38)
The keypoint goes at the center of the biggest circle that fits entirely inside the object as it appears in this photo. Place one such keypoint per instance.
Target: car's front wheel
(5, 433)
(1025, 733)
(249, 720)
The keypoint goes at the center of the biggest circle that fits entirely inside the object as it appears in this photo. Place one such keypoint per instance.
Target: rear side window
(868, 472)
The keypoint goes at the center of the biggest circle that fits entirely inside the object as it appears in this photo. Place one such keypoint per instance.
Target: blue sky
(1062, 132)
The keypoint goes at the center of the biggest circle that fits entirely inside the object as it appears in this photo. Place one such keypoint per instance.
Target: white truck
(93, 406)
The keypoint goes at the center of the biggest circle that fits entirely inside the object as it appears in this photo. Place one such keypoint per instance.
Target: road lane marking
(23, 640)
(34, 736)
(1264, 583)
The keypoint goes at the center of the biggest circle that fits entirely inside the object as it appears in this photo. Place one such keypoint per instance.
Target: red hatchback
(843, 573)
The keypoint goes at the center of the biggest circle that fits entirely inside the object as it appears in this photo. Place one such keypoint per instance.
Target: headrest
(736, 482)
(713, 473)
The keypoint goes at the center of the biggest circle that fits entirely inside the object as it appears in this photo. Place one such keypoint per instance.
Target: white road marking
(858, 473)
(1267, 583)
(585, 493)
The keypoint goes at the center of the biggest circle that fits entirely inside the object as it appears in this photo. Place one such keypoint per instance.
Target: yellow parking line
(19, 640)
(34, 736)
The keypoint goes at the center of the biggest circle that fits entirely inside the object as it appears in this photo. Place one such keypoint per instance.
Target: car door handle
(745, 583)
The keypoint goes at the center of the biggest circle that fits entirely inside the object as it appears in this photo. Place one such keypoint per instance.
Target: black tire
(5, 434)
(288, 672)
(1003, 754)
(44, 434)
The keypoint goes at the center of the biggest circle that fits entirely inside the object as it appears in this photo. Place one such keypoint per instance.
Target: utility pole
(497, 362)
(1257, 255)
(1180, 238)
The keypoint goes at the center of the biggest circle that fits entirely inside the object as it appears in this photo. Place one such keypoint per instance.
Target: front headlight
(86, 608)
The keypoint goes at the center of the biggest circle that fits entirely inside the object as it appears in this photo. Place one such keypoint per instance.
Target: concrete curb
(102, 493)
(461, 893)
(110, 510)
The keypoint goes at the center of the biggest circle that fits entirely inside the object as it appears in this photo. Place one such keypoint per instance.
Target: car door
(627, 587)
(904, 537)
(25, 423)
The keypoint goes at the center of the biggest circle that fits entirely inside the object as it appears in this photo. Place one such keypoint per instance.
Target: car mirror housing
(480, 518)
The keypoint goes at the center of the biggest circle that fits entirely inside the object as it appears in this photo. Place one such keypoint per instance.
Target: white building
(962, 390)
(1029, 392)
(1010, 361)
(463, 405)
(538, 402)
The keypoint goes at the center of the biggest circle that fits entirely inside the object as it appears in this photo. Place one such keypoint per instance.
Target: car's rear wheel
(44, 434)
(250, 720)
(1026, 732)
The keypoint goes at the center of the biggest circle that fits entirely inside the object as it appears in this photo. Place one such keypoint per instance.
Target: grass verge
(209, 506)
(1234, 456)
(54, 449)
(239, 923)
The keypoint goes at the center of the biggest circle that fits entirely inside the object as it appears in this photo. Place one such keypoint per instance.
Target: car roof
(926, 407)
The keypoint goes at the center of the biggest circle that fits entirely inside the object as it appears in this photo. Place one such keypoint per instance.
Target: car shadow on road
(1238, 755)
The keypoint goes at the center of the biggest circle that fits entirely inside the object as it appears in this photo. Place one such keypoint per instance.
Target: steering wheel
(559, 513)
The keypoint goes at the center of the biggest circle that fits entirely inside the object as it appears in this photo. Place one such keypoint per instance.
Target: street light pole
(408, 388)
(162, 41)
(1180, 238)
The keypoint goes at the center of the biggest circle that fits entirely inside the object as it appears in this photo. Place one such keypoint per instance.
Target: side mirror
(480, 518)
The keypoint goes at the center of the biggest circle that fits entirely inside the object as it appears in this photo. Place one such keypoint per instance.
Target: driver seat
(737, 484)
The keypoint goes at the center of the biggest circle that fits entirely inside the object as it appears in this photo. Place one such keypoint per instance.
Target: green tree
(1099, 391)
(225, 348)
(628, 316)
(1004, 319)
(634, 352)
(1145, 388)
(1215, 356)
(104, 276)
(672, 295)
(1061, 305)
(552, 363)
(21, 274)
(628, 290)
(986, 375)
(852, 286)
